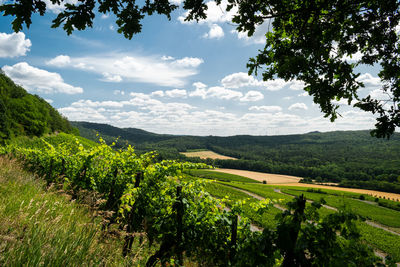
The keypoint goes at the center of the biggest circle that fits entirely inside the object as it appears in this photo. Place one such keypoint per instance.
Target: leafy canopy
(308, 40)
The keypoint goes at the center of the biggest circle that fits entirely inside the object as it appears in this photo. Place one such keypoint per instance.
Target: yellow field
(277, 179)
(260, 176)
(206, 154)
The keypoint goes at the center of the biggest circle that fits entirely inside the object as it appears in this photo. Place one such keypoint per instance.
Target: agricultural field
(205, 154)
(284, 180)
(260, 176)
(382, 236)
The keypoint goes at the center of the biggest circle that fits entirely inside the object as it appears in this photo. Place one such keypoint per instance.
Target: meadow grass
(42, 227)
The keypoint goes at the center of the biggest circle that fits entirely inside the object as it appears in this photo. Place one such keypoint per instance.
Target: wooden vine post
(179, 230)
(131, 221)
(232, 251)
(50, 173)
(111, 196)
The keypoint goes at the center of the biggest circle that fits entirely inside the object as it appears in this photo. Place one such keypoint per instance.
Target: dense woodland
(351, 158)
(22, 113)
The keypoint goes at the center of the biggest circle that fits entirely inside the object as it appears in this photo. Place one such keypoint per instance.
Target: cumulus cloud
(187, 62)
(115, 78)
(59, 61)
(268, 109)
(57, 8)
(258, 36)
(298, 106)
(14, 45)
(137, 68)
(215, 32)
(370, 81)
(119, 92)
(38, 80)
(181, 118)
(176, 93)
(252, 96)
(158, 93)
(242, 79)
(216, 92)
(215, 14)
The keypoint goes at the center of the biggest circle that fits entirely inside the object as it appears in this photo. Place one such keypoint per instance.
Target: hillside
(23, 114)
(352, 157)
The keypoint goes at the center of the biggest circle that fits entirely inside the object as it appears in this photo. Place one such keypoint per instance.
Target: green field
(220, 176)
(378, 238)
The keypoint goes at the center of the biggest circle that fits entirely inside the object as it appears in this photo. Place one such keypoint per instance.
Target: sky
(175, 77)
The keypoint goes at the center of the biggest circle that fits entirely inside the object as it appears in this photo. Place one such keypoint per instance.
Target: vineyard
(182, 222)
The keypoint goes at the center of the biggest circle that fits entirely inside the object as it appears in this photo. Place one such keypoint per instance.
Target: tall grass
(41, 227)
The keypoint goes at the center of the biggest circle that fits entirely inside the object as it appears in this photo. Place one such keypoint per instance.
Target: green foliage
(177, 214)
(24, 114)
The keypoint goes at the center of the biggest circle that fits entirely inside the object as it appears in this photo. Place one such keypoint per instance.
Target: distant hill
(339, 156)
(22, 113)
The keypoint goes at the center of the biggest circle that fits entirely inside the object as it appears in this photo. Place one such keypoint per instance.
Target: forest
(22, 113)
(351, 158)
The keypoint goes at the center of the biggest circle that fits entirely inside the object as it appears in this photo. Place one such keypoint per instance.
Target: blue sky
(174, 77)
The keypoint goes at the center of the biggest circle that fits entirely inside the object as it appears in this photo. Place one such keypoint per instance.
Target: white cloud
(134, 68)
(158, 93)
(119, 92)
(303, 94)
(252, 96)
(93, 104)
(50, 101)
(167, 58)
(59, 61)
(370, 81)
(297, 85)
(107, 77)
(182, 118)
(298, 106)
(56, 8)
(105, 16)
(176, 93)
(38, 80)
(84, 114)
(199, 85)
(343, 102)
(215, 14)
(216, 92)
(13, 45)
(215, 32)
(258, 36)
(188, 62)
(242, 79)
(268, 109)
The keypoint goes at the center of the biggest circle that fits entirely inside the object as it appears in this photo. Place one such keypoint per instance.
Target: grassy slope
(39, 227)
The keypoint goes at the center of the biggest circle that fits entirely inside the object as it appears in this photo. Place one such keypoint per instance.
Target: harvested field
(260, 176)
(206, 154)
